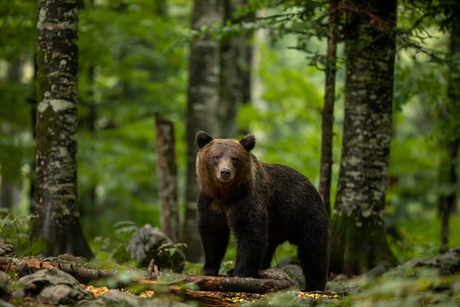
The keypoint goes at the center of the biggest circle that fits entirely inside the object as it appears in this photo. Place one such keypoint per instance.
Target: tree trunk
(358, 229)
(10, 184)
(56, 229)
(167, 178)
(32, 100)
(449, 201)
(327, 128)
(203, 97)
(235, 57)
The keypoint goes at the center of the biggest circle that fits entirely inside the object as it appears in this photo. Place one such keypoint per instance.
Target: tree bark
(327, 127)
(235, 58)
(358, 229)
(167, 177)
(448, 203)
(56, 229)
(203, 97)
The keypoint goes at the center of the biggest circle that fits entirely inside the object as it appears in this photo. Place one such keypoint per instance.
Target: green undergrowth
(421, 237)
(406, 286)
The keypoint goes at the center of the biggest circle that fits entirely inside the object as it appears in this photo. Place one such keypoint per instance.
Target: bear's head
(223, 160)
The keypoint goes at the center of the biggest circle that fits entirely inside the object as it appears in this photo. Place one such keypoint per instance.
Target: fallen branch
(83, 275)
(227, 284)
(205, 283)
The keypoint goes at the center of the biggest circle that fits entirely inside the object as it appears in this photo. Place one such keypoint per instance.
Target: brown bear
(263, 204)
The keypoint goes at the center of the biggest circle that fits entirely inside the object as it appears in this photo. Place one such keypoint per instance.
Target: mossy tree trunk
(167, 177)
(56, 229)
(235, 57)
(358, 240)
(327, 126)
(202, 102)
(451, 118)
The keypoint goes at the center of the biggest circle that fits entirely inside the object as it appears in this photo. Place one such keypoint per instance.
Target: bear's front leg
(214, 233)
(250, 225)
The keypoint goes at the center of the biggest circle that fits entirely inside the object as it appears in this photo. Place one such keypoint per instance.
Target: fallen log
(83, 275)
(227, 284)
(205, 283)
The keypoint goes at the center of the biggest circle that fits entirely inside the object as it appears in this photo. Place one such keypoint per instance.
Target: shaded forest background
(134, 64)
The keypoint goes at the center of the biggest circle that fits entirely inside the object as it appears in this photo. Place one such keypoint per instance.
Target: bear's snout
(225, 175)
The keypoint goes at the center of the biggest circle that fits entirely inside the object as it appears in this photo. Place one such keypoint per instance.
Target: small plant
(169, 250)
(11, 220)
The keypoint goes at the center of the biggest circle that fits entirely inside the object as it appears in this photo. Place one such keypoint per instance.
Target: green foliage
(135, 76)
(170, 249)
(287, 121)
(37, 246)
(406, 286)
(18, 25)
(14, 230)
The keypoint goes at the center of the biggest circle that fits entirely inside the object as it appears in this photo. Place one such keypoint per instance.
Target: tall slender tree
(167, 177)
(57, 229)
(358, 240)
(235, 59)
(450, 117)
(202, 100)
(327, 127)
(10, 185)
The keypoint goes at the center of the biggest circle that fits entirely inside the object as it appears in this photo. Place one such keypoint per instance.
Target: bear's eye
(216, 157)
(234, 159)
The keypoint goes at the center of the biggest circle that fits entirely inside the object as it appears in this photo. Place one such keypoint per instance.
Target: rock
(353, 290)
(54, 286)
(455, 249)
(276, 274)
(340, 277)
(449, 263)
(330, 301)
(72, 258)
(296, 273)
(304, 301)
(7, 250)
(18, 293)
(5, 286)
(144, 245)
(91, 303)
(156, 302)
(449, 258)
(115, 298)
(23, 269)
(5, 304)
(287, 260)
(417, 262)
(382, 267)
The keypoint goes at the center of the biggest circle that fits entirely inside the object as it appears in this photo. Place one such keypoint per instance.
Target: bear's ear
(248, 142)
(202, 138)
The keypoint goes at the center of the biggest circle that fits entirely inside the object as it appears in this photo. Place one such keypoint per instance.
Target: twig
(8, 267)
(157, 272)
(19, 240)
(150, 270)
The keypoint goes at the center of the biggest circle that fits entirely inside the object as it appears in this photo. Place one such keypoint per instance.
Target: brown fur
(264, 204)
